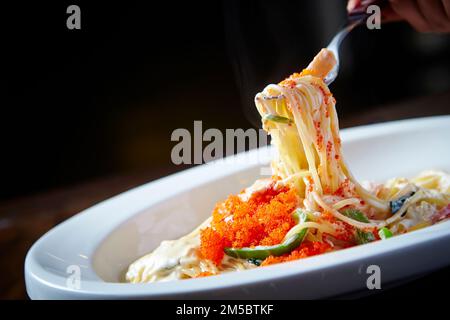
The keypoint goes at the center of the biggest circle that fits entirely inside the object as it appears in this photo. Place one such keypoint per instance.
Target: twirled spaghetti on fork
(311, 205)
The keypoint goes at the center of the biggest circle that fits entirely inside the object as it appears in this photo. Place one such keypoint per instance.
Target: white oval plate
(97, 245)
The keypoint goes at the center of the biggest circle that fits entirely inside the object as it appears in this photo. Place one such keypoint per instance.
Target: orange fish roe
(344, 231)
(329, 148)
(375, 233)
(291, 80)
(310, 185)
(290, 83)
(262, 220)
(212, 245)
(326, 97)
(204, 274)
(306, 249)
(319, 136)
(346, 190)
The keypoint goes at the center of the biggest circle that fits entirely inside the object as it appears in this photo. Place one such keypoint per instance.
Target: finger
(352, 5)
(434, 13)
(446, 5)
(409, 10)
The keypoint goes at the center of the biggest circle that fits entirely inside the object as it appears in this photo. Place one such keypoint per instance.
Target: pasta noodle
(311, 205)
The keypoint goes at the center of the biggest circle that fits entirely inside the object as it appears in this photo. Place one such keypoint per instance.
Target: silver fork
(335, 45)
(356, 18)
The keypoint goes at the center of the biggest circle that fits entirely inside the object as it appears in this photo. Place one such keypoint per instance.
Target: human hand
(423, 15)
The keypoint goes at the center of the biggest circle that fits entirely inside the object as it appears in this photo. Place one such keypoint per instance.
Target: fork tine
(334, 47)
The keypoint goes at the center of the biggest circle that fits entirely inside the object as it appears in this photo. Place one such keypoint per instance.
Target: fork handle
(360, 11)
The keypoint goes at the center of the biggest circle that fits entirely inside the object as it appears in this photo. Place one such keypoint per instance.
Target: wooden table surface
(24, 220)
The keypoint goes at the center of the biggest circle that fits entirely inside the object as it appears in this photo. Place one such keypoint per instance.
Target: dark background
(86, 114)
(103, 100)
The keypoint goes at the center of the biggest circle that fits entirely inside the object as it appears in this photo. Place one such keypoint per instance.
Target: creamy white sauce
(177, 259)
(173, 258)
(165, 262)
(258, 186)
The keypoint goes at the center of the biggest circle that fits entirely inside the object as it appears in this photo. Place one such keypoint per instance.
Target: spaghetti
(311, 205)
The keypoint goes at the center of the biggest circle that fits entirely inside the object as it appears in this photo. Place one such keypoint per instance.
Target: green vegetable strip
(356, 215)
(361, 237)
(385, 233)
(262, 252)
(276, 118)
(364, 237)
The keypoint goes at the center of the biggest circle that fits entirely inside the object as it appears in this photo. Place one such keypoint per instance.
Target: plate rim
(37, 276)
